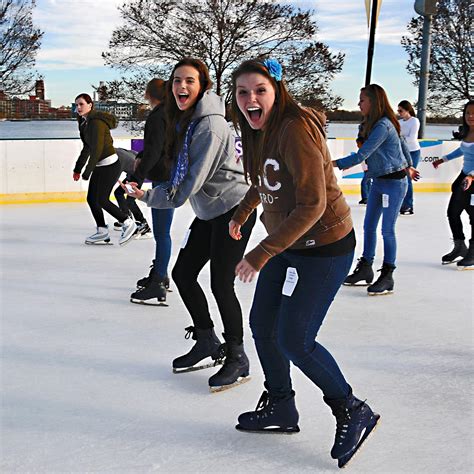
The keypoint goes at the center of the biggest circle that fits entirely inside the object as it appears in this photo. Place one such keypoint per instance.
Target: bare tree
(451, 71)
(156, 34)
(19, 43)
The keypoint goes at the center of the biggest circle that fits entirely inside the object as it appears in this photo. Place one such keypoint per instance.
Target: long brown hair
(253, 141)
(405, 105)
(177, 120)
(156, 89)
(379, 107)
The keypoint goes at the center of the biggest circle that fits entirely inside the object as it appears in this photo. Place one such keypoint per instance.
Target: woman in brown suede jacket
(304, 259)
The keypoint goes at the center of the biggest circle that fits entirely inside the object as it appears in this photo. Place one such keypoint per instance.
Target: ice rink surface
(86, 376)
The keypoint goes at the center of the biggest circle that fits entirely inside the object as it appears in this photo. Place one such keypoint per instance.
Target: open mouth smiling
(254, 113)
(182, 97)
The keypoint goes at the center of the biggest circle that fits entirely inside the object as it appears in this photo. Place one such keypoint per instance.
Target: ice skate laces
(221, 355)
(189, 332)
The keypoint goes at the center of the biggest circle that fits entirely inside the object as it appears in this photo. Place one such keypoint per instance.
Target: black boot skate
(384, 284)
(459, 250)
(144, 281)
(207, 345)
(467, 263)
(354, 422)
(272, 415)
(235, 370)
(155, 289)
(363, 272)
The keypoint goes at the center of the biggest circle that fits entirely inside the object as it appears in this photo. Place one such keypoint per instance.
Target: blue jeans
(285, 327)
(408, 201)
(365, 185)
(162, 219)
(388, 207)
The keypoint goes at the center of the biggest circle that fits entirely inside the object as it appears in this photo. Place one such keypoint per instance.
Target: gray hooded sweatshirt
(215, 180)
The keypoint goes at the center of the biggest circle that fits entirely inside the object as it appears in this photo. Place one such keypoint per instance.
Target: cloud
(76, 32)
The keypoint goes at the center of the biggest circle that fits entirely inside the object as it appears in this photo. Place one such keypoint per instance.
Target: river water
(49, 129)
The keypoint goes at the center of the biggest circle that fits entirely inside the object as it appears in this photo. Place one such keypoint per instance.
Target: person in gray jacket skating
(205, 168)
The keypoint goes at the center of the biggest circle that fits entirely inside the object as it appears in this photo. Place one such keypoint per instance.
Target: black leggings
(210, 241)
(460, 201)
(128, 203)
(98, 196)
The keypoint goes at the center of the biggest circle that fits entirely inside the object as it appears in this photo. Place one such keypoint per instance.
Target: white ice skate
(128, 229)
(101, 237)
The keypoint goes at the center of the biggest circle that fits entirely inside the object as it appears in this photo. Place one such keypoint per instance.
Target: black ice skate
(207, 345)
(384, 284)
(144, 281)
(467, 263)
(143, 231)
(459, 250)
(272, 415)
(235, 370)
(354, 422)
(363, 273)
(153, 294)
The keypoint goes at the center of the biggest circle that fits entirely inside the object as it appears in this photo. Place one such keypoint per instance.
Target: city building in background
(36, 107)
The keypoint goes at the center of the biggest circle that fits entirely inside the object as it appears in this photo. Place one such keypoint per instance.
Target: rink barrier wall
(40, 171)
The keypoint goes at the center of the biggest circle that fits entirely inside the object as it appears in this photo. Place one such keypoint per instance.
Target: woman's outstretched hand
(245, 271)
(132, 190)
(437, 162)
(234, 230)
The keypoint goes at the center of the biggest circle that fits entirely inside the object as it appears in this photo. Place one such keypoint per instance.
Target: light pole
(370, 49)
(426, 8)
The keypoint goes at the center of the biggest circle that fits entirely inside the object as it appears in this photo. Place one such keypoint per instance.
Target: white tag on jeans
(186, 237)
(384, 200)
(290, 282)
(472, 199)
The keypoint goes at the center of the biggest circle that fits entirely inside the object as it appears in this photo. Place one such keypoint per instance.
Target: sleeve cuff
(258, 257)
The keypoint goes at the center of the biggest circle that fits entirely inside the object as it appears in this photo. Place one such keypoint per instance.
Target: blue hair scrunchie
(274, 68)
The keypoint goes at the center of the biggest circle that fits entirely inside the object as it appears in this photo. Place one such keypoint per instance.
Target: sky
(77, 31)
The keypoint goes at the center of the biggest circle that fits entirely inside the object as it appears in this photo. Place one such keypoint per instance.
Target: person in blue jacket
(388, 164)
(462, 197)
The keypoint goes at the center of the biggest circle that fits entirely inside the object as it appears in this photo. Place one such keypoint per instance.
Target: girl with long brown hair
(388, 162)
(204, 168)
(303, 260)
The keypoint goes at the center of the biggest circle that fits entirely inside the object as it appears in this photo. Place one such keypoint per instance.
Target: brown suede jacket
(303, 207)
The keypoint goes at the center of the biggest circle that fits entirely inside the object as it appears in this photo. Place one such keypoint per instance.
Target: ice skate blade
(289, 430)
(471, 267)
(196, 367)
(386, 292)
(148, 302)
(102, 242)
(344, 461)
(126, 241)
(143, 237)
(359, 283)
(222, 388)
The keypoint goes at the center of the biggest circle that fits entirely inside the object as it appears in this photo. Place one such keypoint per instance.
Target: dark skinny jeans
(285, 327)
(460, 201)
(102, 181)
(210, 241)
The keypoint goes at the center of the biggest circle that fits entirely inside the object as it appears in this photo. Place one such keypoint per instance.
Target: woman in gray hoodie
(205, 168)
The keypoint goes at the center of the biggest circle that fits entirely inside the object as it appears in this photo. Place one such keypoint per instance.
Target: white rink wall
(45, 166)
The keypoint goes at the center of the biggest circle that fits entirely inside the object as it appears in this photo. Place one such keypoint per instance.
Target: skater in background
(103, 169)
(205, 169)
(409, 127)
(303, 260)
(389, 162)
(149, 164)
(462, 193)
(128, 204)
